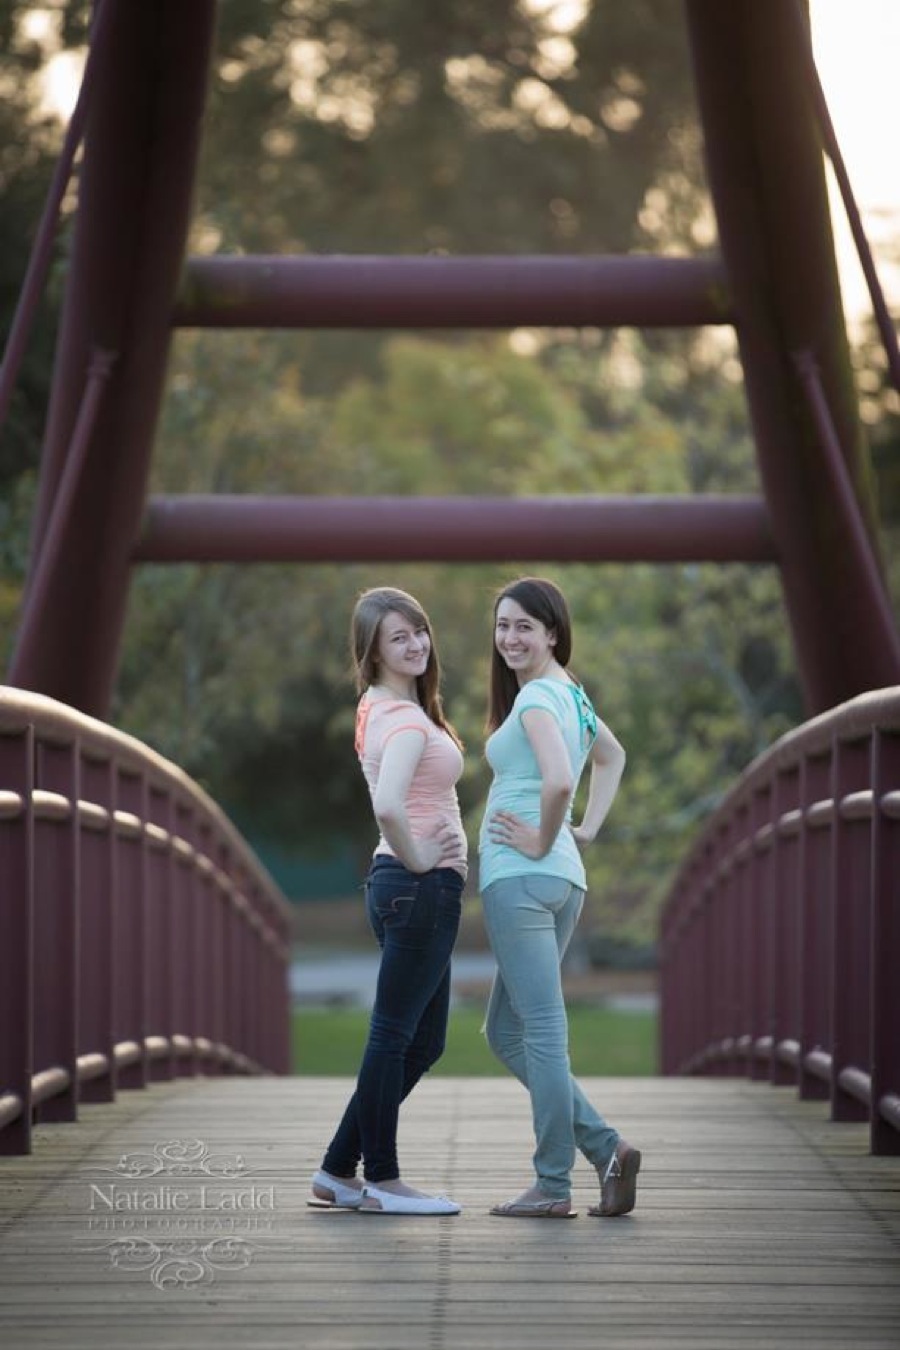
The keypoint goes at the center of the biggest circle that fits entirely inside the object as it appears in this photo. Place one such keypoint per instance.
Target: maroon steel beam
(455, 529)
(767, 178)
(140, 151)
(439, 292)
(42, 248)
(860, 557)
(46, 562)
(833, 149)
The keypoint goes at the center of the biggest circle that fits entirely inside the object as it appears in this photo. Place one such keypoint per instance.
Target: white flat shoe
(386, 1202)
(333, 1193)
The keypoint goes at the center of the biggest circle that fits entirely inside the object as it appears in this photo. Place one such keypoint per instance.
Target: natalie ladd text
(115, 1199)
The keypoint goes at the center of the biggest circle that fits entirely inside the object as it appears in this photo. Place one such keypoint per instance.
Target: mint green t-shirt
(517, 781)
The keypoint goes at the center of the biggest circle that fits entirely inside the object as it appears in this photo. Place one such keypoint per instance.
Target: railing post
(98, 844)
(276, 1049)
(885, 1080)
(130, 929)
(17, 947)
(204, 936)
(851, 864)
(160, 973)
(185, 944)
(759, 931)
(679, 961)
(231, 992)
(57, 870)
(703, 984)
(220, 904)
(256, 983)
(670, 957)
(721, 921)
(740, 948)
(787, 922)
(816, 928)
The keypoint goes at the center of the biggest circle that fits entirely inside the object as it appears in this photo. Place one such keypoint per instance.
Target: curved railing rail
(780, 939)
(140, 939)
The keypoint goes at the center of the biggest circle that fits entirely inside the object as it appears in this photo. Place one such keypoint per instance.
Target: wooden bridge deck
(759, 1224)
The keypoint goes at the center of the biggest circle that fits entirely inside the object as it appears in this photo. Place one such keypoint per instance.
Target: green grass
(601, 1041)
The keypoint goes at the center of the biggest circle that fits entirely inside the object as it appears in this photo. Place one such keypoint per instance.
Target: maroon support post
(767, 178)
(140, 150)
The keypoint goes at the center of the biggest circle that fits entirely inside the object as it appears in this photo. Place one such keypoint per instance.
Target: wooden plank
(759, 1224)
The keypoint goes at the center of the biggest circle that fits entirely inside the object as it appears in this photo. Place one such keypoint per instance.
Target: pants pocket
(392, 899)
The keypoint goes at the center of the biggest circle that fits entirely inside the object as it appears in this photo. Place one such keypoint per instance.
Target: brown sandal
(618, 1185)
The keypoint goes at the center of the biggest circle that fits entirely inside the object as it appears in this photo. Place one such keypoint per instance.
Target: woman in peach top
(412, 760)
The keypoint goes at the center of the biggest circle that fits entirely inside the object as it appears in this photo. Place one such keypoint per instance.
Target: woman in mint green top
(544, 731)
(517, 779)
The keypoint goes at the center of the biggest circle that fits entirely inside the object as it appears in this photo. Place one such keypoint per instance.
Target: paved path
(759, 1224)
(348, 979)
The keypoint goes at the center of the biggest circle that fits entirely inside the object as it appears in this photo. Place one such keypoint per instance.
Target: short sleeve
(397, 717)
(537, 695)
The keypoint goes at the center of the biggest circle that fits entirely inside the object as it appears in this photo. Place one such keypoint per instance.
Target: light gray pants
(530, 920)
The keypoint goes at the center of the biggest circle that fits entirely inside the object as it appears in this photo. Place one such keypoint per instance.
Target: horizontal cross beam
(211, 529)
(460, 292)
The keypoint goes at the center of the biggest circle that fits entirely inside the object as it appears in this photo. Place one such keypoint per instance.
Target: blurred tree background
(393, 126)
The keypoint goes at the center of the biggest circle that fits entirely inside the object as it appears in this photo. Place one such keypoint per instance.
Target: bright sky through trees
(857, 49)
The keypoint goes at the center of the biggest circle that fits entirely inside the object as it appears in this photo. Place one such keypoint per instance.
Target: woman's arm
(607, 764)
(557, 785)
(398, 765)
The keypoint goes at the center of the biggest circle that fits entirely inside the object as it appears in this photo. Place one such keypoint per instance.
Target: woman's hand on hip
(506, 828)
(581, 837)
(438, 849)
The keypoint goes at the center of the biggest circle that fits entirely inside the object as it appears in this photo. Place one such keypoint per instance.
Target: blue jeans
(415, 917)
(530, 920)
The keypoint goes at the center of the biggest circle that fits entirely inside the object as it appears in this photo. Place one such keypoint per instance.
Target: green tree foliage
(402, 127)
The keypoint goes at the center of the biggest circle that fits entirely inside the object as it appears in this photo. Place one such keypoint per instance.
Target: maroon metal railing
(780, 939)
(140, 939)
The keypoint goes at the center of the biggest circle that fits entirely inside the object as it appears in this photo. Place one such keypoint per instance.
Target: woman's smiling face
(525, 644)
(403, 649)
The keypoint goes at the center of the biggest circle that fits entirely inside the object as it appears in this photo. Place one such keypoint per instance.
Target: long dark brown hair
(545, 602)
(369, 612)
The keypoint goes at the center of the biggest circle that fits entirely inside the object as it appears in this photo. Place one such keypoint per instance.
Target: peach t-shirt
(431, 799)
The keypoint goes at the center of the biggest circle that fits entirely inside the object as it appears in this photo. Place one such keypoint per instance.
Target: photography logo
(179, 1213)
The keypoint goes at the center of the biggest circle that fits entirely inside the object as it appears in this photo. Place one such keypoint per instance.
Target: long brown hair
(545, 602)
(369, 612)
